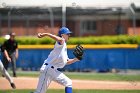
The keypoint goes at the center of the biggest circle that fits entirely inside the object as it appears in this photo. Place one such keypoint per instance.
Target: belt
(51, 66)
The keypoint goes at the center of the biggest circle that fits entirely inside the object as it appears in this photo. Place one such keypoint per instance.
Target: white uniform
(5, 73)
(56, 59)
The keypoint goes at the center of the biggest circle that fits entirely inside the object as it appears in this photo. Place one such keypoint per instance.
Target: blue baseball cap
(64, 30)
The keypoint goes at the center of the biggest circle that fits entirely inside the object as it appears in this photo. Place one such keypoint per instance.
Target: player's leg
(5, 62)
(68, 89)
(13, 58)
(44, 81)
(6, 74)
(62, 79)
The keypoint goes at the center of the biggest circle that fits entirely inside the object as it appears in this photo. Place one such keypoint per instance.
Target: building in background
(83, 19)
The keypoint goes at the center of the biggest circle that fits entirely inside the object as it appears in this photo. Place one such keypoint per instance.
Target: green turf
(74, 91)
(104, 76)
(88, 76)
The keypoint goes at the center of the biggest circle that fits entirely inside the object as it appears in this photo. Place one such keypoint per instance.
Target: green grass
(26, 73)
(104, 76)
(74, 91)
(88, 76)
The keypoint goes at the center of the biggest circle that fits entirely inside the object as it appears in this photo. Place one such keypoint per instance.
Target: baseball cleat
(13, 85)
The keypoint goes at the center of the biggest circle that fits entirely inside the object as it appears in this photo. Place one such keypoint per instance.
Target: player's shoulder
(62, 42)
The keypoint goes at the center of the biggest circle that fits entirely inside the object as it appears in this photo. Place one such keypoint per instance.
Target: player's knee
(68, 83)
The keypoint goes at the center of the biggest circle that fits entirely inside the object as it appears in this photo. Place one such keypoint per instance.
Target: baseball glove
(78, 52)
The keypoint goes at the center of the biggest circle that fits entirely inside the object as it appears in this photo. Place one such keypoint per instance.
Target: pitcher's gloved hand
(78, 52)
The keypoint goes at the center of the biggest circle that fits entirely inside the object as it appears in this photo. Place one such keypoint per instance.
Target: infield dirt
(31, 83)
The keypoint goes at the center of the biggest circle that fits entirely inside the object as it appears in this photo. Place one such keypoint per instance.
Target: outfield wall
(96, 57)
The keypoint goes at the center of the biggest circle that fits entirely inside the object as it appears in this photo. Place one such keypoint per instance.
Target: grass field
(74, 91)
(83, 76)
(87, 76)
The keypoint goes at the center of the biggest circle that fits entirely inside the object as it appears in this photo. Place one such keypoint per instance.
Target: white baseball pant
(5, 73)
(49, 73)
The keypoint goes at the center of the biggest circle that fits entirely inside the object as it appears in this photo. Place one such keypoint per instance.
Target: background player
(57, 58)
(10, 47)
(6, 74)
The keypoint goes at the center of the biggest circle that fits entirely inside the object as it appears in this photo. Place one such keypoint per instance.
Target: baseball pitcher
(57, 58)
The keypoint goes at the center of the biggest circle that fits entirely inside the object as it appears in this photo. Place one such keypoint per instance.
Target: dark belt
(51, 66)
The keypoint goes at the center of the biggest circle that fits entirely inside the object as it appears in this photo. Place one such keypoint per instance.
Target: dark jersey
(10, 45)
